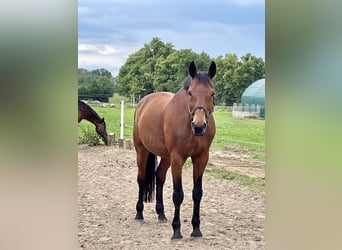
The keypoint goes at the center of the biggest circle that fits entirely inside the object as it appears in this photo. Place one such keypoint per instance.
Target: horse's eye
(213, 94)
(189, 93)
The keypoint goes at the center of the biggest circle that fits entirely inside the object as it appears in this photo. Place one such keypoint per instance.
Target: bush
(88, 136)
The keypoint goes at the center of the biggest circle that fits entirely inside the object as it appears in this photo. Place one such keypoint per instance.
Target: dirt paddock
(232, 216)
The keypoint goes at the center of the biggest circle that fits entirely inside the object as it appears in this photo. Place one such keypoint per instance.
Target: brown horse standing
(87, 113)
(175, 127)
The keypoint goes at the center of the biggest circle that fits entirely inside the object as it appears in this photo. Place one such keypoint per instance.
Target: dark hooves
(196, 233)
(162, 218)
(139, 216)
(176, 235)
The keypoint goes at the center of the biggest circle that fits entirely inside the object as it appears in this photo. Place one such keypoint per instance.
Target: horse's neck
(91, 118)
(180, 103)
(179, 98)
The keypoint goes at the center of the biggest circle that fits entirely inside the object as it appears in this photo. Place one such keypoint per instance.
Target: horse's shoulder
(168, 94)
(162, 98)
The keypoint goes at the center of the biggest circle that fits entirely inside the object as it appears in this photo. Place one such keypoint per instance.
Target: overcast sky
(110, 30)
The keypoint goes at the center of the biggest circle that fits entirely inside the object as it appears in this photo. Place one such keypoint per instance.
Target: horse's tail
(150, 177)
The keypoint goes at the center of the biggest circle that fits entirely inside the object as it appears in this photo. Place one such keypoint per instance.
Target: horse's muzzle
(199, 130)
(199, 119)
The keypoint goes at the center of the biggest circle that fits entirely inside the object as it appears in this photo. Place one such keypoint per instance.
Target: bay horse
(175, 127)
(87, 113)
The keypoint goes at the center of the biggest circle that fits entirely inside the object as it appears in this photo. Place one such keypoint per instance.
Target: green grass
(247, 133)
(224, 174)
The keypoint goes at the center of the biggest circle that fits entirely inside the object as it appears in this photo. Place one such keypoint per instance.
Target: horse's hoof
(162, 218)
(176, 235)
(139, 217)
(196, 233)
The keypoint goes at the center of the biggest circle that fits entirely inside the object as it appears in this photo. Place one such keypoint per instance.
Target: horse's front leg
(160, 180)
(178, 196)
(196, 197)
(199, 165)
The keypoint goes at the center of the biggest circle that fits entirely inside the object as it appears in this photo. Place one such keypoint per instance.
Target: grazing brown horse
(175, 127)
(87, 113)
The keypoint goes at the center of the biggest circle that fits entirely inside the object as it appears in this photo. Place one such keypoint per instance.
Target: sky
(110, 30)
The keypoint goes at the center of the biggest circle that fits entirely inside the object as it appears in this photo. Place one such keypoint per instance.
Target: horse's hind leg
(160, 180)
(141, 162)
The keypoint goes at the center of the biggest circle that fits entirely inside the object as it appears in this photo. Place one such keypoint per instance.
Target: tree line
(96, 84)
(158, 66)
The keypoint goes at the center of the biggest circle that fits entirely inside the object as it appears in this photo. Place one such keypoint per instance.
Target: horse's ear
(102, 119)
(192, 69)
(212, 70)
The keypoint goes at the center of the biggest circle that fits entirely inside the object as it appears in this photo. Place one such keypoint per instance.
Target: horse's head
(101, 130)
(201, 97)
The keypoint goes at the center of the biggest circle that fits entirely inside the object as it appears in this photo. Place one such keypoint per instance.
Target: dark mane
(202, 77)
(87, 107)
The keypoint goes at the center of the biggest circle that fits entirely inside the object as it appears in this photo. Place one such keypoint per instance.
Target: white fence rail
(240, 110)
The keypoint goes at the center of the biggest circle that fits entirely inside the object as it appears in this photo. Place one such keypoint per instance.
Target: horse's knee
(178, 194)
(178, 197)
(197, 194)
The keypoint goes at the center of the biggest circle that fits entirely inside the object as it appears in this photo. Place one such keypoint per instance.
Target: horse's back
(148, 122)
(154, 100)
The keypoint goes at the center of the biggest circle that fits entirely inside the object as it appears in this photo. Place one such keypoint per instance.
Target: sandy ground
(232, 216)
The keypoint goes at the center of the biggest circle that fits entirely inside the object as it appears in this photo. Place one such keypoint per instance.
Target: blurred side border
(38, 129)
(303, 135)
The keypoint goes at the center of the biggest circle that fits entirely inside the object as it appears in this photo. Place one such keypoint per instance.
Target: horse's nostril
(202, 126)
(199, 129)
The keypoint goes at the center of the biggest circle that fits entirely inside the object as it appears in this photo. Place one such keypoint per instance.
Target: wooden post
(111, 139)
(121, 143)
(128, 144)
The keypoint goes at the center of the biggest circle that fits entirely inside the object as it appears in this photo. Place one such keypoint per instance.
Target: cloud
(108, 56)
(102, 49)
(98, 54)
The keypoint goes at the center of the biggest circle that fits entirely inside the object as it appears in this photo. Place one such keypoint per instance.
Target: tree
(136, 76)
(171, 71)
(234, 76)
(157, 66)
(224, 83)
(248, 71)
(95, 84)
(102, 72)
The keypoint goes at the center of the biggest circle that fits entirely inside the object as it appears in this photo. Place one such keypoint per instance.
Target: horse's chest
(189, 146)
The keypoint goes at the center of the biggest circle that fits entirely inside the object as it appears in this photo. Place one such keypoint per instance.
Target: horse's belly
(154, 144)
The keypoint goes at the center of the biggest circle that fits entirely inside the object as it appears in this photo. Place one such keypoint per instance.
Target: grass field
(247, 133)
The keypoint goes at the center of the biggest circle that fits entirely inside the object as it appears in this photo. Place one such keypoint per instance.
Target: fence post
(111, 139)
(122, 121)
